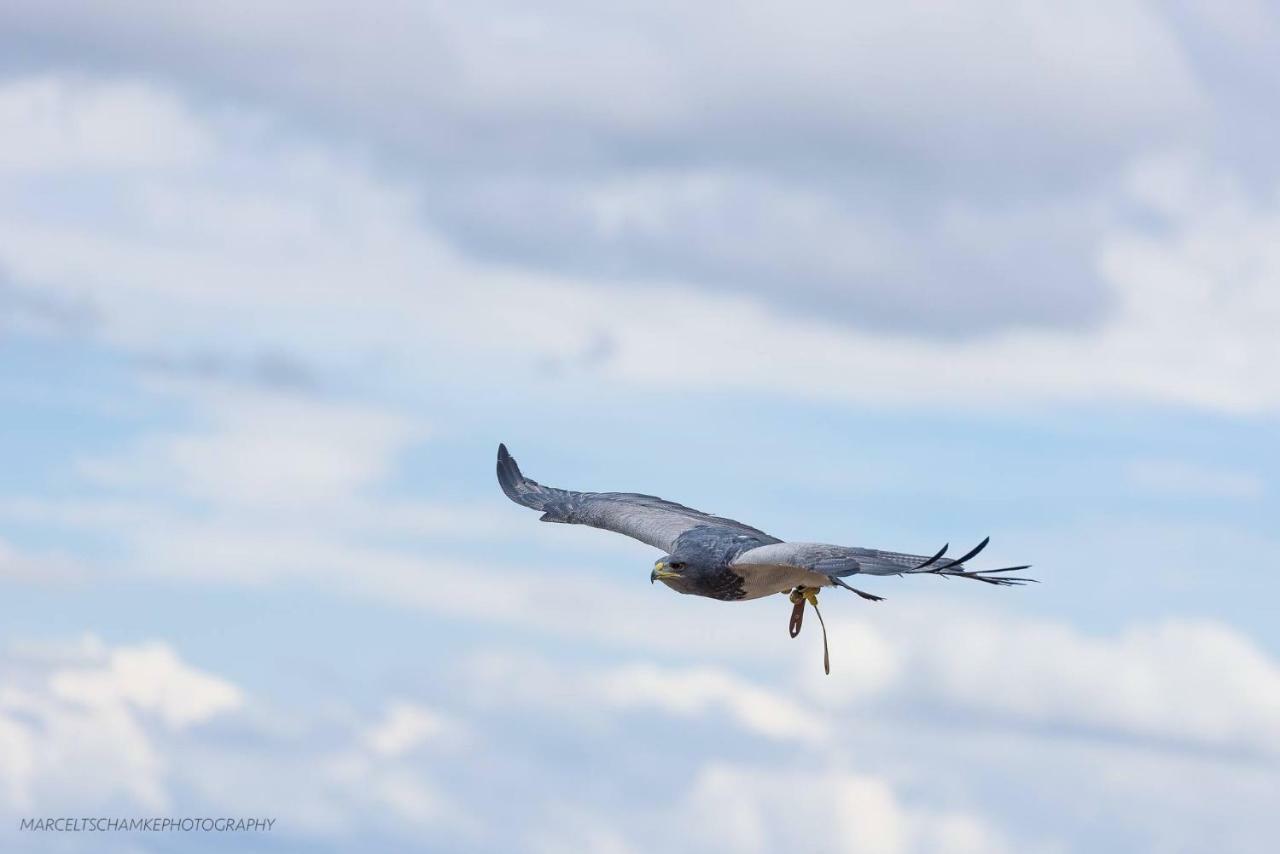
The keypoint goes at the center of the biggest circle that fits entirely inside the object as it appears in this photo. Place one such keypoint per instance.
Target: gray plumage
(722, 558)
(647, 518)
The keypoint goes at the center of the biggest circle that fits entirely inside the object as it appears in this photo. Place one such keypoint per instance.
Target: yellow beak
(660, 571)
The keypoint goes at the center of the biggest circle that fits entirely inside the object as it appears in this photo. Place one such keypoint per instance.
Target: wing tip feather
(509, 476)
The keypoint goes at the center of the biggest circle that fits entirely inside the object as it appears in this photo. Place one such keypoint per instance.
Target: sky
(275, 280)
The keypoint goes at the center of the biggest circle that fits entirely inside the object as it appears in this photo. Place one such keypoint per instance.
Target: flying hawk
(721, 558)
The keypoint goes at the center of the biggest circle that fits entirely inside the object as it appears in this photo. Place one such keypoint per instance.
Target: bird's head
(667, 569)
(677, 571)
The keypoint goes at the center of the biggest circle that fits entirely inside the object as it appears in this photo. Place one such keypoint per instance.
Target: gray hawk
(721, 558)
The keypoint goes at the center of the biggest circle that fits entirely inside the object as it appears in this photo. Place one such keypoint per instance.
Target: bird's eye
(676, 564)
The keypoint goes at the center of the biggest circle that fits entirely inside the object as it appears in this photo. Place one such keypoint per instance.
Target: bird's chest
(725, 585)
(758, 581)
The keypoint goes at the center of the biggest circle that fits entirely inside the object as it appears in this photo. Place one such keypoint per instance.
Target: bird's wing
(647, 518)
(838, 561)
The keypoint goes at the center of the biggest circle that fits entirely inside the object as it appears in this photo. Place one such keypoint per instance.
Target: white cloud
(698, 692)
(912, 785)
(365, 784)
(360, 281)
(408, 726)
(1188, 682)
(1182, 684)
(87, 728)
(749, 809)
(852, 131)
(694, 691)
(79, 723)
(151, 678)
(264, 448)
(56, 124)
(669, 70)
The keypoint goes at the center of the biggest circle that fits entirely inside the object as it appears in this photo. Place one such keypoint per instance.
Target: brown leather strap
(797, 617)
(826, 656)
(798, 598)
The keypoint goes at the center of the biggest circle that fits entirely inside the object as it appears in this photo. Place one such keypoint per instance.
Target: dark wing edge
(841, 561)
(647, 518)
(521, 489)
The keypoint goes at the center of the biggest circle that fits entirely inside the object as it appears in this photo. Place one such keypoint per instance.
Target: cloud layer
(274, 281)
(889, 168)
(312, 255)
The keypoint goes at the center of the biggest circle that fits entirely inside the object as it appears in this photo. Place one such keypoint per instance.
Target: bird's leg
(839, 582)
(799, 597)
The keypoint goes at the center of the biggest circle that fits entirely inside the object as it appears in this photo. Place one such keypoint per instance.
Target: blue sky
(274, 282)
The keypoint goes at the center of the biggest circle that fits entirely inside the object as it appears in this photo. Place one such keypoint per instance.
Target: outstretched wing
(647, 518)
(839, 561)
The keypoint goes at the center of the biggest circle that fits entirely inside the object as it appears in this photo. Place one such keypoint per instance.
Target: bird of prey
(724, 559)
